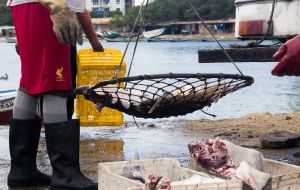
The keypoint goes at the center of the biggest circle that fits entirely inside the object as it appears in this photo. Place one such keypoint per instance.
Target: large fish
(148, 104)
(111, 94)
(189, 94)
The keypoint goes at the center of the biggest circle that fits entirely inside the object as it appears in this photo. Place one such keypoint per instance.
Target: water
(267, 94)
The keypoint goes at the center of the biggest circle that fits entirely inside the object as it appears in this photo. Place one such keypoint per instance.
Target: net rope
(164, 95)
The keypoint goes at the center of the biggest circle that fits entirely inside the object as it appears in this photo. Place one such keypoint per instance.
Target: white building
(139, 2)
(109, 5)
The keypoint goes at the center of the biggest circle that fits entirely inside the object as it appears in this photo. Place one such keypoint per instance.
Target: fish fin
(81, 89)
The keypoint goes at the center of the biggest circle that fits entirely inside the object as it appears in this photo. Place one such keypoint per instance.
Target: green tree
(161, 11)
(5, 14)
(117, 19)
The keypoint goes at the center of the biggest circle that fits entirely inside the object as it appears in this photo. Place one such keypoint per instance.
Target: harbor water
(267, 94)
(161, 138)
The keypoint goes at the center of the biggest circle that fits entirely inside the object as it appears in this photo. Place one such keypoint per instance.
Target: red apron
(45, 63)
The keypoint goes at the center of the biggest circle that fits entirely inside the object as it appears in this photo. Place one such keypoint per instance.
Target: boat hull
(6, 106)
(286, 19)
(154, 33)
(5, 117)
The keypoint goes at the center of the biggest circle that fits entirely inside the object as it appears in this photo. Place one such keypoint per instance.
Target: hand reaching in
(288, 56)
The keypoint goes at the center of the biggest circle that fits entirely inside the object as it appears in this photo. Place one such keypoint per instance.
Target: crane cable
(205, 25)
(139, 16)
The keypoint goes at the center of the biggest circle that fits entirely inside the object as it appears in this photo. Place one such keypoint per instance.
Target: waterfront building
(103, 6)
(195, 27)
(101, 24)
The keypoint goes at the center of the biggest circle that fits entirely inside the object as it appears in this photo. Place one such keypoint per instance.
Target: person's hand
(86, 23)
(65, 23)
(288, 56)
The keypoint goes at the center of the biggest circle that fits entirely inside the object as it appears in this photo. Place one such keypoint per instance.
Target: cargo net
(164, 95)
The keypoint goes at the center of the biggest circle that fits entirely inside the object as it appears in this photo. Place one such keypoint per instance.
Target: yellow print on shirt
(59, 75)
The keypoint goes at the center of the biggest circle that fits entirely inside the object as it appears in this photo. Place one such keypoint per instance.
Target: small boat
(7, 98)
(157, 40)
(178, 40)
(108, 34)
(116, 39)
(154, 33)
(11, 40)
(166, 40)
(121, 39)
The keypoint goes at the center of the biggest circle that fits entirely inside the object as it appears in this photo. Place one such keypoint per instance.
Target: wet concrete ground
(98, 144)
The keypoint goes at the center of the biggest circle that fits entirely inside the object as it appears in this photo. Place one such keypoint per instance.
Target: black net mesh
(164, 95)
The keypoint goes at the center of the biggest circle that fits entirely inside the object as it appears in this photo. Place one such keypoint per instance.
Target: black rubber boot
(62, 141)
(24, 138)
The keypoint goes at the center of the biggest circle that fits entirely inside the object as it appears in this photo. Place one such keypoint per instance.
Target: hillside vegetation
(158, 11)
(5, 15)
(178, 10)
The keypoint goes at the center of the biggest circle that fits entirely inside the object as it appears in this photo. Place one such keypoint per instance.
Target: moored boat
(6, 105)
(157, 40)
(108, 34)
(153, 33)
(166, 40)
(178, 40)
(11, 40)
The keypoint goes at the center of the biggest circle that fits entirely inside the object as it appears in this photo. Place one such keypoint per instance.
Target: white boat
(252, 18)
(154, 33)
(11, 40)
(6, 105)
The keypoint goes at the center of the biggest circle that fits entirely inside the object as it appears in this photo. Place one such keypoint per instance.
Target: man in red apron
(44, 30)
(289, 57)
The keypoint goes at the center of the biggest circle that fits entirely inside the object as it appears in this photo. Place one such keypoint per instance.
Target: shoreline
(197, 37)
(189, 37)
(245, 130)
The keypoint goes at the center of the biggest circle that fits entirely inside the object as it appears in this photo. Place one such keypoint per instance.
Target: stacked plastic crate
(94, 67)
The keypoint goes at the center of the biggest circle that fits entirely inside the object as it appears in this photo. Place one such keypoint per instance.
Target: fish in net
(163, 95)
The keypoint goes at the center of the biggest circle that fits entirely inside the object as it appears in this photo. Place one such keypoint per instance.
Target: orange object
(252, 28)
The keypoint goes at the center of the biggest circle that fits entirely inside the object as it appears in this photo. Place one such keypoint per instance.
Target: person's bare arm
(86, 24)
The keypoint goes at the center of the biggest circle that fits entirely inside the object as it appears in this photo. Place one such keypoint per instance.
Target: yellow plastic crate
(94, 67)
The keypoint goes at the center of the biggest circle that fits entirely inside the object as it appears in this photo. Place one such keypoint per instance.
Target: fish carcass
(111, 94)
(159, 104)
(224, 159)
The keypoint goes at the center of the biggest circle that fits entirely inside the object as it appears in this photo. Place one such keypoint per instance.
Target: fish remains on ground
(224, 159)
